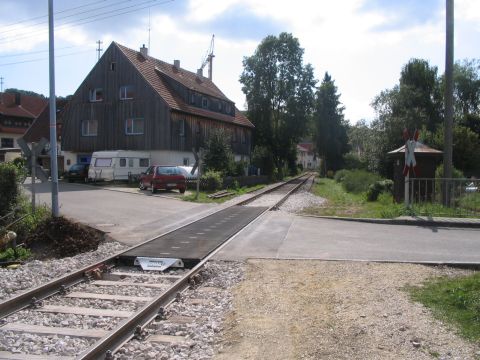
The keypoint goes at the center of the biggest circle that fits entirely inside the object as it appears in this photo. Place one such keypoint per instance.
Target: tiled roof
(41, 125)
(420, 148)
(30, 106)
(154, 71)
(308, 146)
(302, 148)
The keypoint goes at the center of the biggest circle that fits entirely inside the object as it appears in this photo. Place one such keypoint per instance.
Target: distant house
(40, 128)
(132, 101)
(307, 157)
(17, 113)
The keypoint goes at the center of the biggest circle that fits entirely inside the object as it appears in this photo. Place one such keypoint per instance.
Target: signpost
(198, 164)
(31, 157)
(410, 162)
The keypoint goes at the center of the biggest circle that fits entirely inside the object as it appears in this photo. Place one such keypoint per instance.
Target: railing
(444, 197)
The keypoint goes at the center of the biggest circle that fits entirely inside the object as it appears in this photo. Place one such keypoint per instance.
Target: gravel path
(336, 310)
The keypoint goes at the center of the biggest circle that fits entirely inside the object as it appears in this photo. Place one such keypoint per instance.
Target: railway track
(106, 304)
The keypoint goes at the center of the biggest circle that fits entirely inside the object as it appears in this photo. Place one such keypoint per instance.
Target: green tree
(218, 153)
(279, 93)
(414, 103)
(330, 125)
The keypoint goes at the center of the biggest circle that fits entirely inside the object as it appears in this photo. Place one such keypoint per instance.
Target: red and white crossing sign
(410, 144)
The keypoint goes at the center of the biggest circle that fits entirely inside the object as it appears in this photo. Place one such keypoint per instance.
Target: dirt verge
(336, 310)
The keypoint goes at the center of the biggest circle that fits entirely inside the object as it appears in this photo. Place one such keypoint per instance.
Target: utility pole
(53, 112)
(1, 84)
(99, 49)
(448, 96)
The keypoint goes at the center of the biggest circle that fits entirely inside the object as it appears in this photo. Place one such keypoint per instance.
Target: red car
(162, 177)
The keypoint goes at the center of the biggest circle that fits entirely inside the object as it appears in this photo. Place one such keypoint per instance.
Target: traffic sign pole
(53, 113)
(34, 165)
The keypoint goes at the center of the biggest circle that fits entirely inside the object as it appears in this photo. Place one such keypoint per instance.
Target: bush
(358, 181)
(353, 161)
(211, 180)
(239, 168)
(456, 174)
(30, 220)
(340, 175)
(9, 190)
(378, 187)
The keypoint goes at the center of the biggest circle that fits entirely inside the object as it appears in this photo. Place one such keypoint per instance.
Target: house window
(181, 130)
(192, 98)
(89, 127)
(219, 106)
(205, 103)
(228, 108)
(144, 162)
(7, 143)
(130, 162)
(126, 92)
(96, 95)
(112, 66)
(123, 162)
(134, 126)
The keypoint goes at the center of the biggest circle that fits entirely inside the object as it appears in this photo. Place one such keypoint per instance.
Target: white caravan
(117, 165)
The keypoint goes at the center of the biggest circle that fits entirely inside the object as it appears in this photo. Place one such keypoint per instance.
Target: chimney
(144, 51)
(18, 99)
(200, 72)
(176, 63)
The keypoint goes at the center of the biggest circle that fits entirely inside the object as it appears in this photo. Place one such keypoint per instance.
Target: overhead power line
(58, 12)
(43, 59)
(90, 19)
(34, 52)
(72, 15)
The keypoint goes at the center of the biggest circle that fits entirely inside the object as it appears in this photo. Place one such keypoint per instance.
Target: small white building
(307, 157)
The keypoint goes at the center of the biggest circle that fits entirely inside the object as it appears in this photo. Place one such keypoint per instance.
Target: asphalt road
(132, 218)
(127, 217)
(280, 235)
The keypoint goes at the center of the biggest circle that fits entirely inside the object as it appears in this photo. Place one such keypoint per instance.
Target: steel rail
(56, 286)
(107, 346)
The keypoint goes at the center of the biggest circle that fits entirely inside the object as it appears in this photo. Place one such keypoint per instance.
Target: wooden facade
(164, 127)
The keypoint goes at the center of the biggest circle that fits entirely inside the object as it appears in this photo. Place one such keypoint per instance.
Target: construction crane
(208, 58)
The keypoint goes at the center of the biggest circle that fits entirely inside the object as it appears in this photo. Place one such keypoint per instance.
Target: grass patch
(456, 301)
(203, 195)
(342, 203)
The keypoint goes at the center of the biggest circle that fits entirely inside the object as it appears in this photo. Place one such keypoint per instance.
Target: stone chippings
(300, 200)
(35, 273)
(202, 334)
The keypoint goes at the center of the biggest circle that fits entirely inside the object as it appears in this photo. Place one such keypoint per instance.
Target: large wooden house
(132, 101)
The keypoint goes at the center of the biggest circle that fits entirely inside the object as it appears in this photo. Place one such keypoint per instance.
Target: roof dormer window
(96, 95)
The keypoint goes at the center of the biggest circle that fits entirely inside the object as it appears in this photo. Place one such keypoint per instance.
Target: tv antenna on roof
(208, 58)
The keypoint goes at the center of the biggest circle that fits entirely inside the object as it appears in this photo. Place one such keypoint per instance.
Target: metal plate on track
(197, 240)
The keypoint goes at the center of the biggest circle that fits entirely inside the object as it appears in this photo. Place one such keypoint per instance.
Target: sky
(362, 44)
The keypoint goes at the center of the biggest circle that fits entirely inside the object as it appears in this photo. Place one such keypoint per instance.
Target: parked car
(472, 187)
(187, 172)
(162, 177)
(77, 172)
